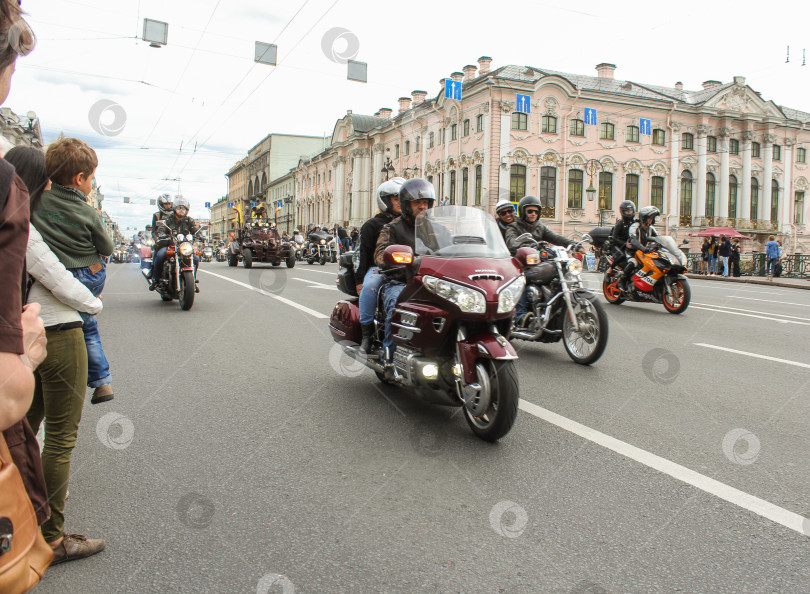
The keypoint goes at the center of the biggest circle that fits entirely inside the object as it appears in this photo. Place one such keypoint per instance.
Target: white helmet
(504, 203)
(386, 190)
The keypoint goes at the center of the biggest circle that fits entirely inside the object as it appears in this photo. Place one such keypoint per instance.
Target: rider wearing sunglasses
(505, 215)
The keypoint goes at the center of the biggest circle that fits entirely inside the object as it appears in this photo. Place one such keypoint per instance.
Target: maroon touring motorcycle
(452, 320)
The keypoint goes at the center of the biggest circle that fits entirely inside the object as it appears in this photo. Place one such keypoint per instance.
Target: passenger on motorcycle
(621, 232)
(505, 215)
(529, 222)
(180, 222)
(639, 234)
(415, 196)
(165, 209)
(367, 272)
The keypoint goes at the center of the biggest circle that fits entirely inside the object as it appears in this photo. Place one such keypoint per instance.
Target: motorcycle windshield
(669, 244)
(458, 232)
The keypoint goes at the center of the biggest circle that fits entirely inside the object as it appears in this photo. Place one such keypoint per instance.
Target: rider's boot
(368, 337)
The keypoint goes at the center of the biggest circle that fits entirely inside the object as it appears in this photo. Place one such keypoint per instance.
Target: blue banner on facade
(644, 127)
(590, 115)
(452, 89)
(523, 103)
(230, 204)
(207, 205)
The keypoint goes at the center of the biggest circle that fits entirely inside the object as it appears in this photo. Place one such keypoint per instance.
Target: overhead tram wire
(315, 24)
(180, 78)
(233, 90)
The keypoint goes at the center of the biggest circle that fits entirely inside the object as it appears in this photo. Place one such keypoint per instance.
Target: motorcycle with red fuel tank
(452, 320)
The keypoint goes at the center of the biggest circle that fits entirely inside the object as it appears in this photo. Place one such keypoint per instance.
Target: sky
(174, 119)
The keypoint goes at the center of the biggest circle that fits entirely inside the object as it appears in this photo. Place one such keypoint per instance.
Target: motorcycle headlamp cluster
(510, 294)
(574, 266)
(185, 249)
(468, 300)
(323, 242)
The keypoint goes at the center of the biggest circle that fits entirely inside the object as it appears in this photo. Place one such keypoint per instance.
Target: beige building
(281, 194)
(220, 223)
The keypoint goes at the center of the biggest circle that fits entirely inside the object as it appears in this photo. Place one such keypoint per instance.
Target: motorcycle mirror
(586, 237)
(527, 256)
(397, 255)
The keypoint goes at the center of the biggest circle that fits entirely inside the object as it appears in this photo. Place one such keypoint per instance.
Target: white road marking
(302, 269)
(312, 312)
(770, 301)
(755, 355)
(737, 313)
(753, 311)
(763, 508)
(317, 284)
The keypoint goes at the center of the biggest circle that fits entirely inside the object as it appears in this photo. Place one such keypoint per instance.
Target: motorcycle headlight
(574, 266)
(468, 300)
(323, 241)
(510, 294)
(185, 249)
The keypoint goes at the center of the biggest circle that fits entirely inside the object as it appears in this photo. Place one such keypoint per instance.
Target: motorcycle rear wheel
(587, 345)
(186, 290)
(497, 420)
(683, 295)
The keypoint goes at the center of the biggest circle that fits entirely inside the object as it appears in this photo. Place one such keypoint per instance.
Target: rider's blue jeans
(390, 294)
(368, 296)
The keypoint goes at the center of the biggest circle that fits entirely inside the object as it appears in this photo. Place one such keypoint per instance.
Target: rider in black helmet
(618, 239)
(415, 196)
(638, 236)
(529, 222)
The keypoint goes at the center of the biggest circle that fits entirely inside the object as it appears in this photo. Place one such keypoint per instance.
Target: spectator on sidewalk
(724, 251)
(704, 256)
(76, 234)
(771, 256)
(60, 379)
(712, 252)
(735, 258)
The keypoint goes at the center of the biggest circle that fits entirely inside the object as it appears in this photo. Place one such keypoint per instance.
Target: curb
(750, 280)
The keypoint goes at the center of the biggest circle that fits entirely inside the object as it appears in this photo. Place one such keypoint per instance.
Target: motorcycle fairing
(485, 345)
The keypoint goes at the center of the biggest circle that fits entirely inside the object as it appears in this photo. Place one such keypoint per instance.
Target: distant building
(19, 130)
(719, 156)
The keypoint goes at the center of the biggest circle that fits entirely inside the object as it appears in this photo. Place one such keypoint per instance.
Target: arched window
(577, 128)
(549, 125)
(798, 208)
(452, 187)
(605, 191)
(631, 188)
(575, 188)
(517, 182)
(548, 191)
(732, 196)
(754, 199)
(250, 188)
(631, 134)
(710, 193)
(657, 195)
(607, 131)
(478, 184)
(465, 187)
(686, 198)
(774, 201)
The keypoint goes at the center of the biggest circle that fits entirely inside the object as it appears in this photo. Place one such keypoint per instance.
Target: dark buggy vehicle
(260, 242)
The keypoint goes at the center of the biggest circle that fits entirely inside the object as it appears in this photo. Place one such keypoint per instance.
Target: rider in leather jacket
(370, 280)
(505, 215)
(621, 232)
(415, 196)
(639, 234)
(529, 222)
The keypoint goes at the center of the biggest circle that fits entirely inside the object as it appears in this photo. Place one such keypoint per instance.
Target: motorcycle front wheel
(500, 377)
(587, 344)
(681, 296)
(323, 260)
(186, 290)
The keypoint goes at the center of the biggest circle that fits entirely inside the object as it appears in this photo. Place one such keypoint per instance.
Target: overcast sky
(203, 89)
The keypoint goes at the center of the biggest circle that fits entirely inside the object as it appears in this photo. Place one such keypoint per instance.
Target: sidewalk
(792, 283)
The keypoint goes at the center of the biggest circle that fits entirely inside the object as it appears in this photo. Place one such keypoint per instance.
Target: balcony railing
(547, 212)
(685, 221)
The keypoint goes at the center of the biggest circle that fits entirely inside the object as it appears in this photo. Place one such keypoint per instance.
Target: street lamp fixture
(591, 168)
(388, 168)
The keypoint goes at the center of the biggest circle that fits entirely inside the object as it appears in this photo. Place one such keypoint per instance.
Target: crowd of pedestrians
(52, 274)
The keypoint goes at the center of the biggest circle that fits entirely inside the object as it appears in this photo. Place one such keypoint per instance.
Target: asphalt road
(243, 453)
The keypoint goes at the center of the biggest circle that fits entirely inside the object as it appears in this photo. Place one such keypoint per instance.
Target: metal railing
(793, 266)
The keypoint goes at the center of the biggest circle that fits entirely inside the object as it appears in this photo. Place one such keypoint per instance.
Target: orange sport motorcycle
(658, 279)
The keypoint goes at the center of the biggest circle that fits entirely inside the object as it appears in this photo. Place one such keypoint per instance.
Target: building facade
(281, 195)
(719, 156)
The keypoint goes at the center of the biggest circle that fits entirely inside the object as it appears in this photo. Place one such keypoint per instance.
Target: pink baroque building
(720, 156)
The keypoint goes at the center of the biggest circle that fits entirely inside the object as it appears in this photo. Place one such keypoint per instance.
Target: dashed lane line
(298, 306)
(755, 355)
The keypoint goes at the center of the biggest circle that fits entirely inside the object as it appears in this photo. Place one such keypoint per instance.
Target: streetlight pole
(388, 168)
(590, 168)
